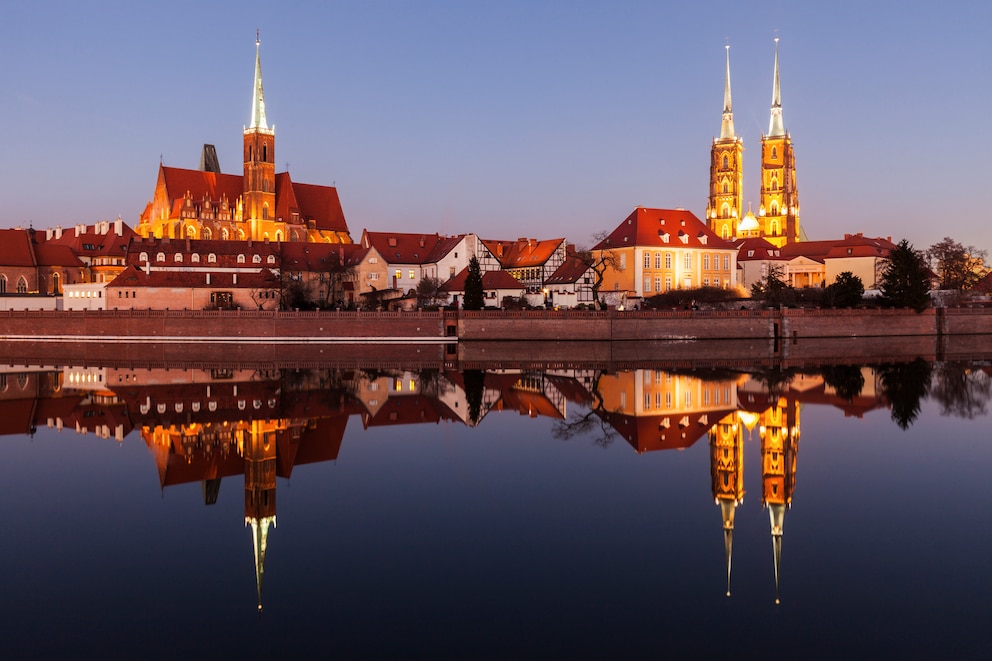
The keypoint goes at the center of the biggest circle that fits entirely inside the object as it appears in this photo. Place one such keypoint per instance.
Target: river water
(500, 513)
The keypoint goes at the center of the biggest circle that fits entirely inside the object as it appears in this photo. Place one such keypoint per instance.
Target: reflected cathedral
(205, 425)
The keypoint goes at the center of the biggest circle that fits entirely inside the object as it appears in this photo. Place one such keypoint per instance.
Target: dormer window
(271, 259)
(750, 253)
(160, 257)
(178, 257)
(211, 258)
(256, 259)
(241, 259)
(664, 236)
(195, 258)
(683, 237)
(143, 257)
(702, 238)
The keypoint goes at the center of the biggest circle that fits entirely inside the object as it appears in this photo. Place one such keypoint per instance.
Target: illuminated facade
(259, 205)
(777, 220)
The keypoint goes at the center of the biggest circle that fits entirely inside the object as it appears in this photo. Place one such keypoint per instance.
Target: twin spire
(776, 128)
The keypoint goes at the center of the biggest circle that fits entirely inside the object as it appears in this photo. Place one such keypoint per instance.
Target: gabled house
(530, 261)
(571, 284)
(756, 258)
(496, 286)
(334, 274)
(411, 257)
(655, 250)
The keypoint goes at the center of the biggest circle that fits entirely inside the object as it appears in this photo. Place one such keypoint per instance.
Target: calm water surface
(496, 515)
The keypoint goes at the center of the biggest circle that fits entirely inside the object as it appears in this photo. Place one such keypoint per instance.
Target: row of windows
(211, 258)
(709, 398)
(22, 284)
(666, 259)
(706, 282)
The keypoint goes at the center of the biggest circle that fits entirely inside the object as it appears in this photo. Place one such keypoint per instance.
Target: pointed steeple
(727, 128)
(257, 98)
(776, 515)
(260, 538)
(728, 509)
(776, 128)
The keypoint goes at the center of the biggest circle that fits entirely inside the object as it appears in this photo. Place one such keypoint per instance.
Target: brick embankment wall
(856, 323)
(132, 325)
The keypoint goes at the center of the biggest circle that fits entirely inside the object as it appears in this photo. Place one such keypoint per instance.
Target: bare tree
(600, 258)
(959, 267)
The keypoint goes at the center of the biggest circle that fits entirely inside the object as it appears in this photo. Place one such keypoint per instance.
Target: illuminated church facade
(258, 205)
(777, 219)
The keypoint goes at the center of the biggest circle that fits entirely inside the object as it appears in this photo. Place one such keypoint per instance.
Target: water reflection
(202, 426)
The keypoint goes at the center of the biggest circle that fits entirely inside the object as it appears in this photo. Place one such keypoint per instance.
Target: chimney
(48, 234)
(80, 229)
(119, 226)
(58, 231)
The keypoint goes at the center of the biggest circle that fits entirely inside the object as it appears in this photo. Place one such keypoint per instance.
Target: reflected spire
(260, 536)
(776, 515)
(728, 508)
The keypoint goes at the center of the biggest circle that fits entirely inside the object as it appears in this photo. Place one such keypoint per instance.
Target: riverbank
(268, 327)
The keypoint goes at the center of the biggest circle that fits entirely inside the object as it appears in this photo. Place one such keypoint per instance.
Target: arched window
(56, 289)
(190, 232)
(224, 235)
(725, 211)
(211, 258)
(774, 209)
(726, 164)
(178, 258)
(725, 188)
(265, 152)
(256, 259)
(241, 234)
(774, 227)
(668, 260)
(195, 258)
(271, 259)
(725, 232)
(279, 236)
(774, 152)
(3, 283)
(143, 257)
(22, 285)
(207, 234)
(265, 212)
(160, 257)
(249, 152)
(241, 259)
(774, 184)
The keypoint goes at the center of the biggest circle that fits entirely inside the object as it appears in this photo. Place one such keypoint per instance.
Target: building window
(399, 274)
(271, 259)
(726, 262)
(623, 262)
(256, 259)
(657, 260)
(657, 284)
(195, 258)
(725, 188)
(726, 164)
(241, 259)
(211, 258)
(706, 262)
(160, 257)
(413, 274)
(688, 261)
(22, 285)
(143, 257)
(647, 284)
(668, 260)
(178, 257)
(647, 260)
(3, 284)
(373, 276)
(668, 283)
(373, 260)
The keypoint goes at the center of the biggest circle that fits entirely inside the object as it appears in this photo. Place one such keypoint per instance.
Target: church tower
(779, 434)
(260, 162)
(258, 448)
(779, 207)
(727, 476)
(724, 209)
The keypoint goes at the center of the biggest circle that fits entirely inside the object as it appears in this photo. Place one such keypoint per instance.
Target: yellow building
(656, 250)
(259, 205)
(723, 212)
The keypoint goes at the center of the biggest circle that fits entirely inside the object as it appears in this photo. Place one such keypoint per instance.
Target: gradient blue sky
(541, 119)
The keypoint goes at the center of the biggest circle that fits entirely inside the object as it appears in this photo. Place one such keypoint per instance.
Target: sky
(508, 119)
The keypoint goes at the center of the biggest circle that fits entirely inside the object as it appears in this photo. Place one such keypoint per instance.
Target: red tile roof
(757, 249)
(570, 272)
(91, 243)
(320, 256)
(522, 252)
(650, 227)
(134, 277)
(490, 280)
(403, 248)
(15, 248)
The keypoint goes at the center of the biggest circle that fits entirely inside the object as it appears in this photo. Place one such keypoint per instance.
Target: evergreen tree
(905, 282)
(474, 294)
(846, 291)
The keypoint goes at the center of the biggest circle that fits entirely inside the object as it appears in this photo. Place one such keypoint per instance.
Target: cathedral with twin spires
(777, 219)
(260, 205)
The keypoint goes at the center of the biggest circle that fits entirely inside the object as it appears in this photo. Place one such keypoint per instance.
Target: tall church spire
(776, 128)
(257, 97)
(727, 128)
